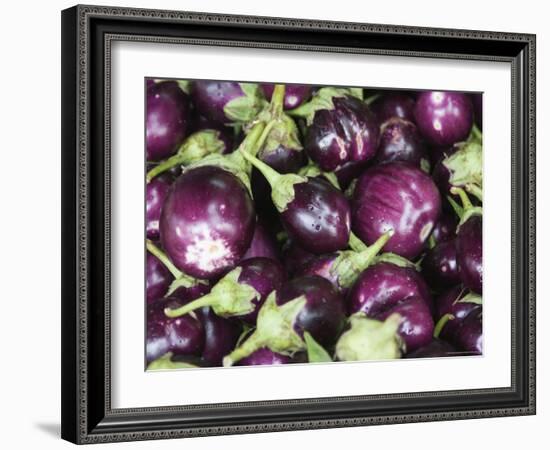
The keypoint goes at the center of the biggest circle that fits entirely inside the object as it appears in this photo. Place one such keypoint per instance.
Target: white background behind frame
(132, 387)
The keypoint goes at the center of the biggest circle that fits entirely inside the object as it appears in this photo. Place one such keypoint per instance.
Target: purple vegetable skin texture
(348, 172)
(347, 133)
(440, 267)
(400, 197)
(318, 218)
(220, 336)
(323, 314)
(400, 141)
(444, 118)
(295, 258)
(469, 250)
(321, 266)
(295, 94)
(265, 275)
(264, 357)
(167, 119)
(263, 244)
(445, 228)
(181, 336)
(210, 98)
(469, 335)
(385, 288)
(155, 195)
(207, 222)
(393, 105)
(157, 279)
(447, 303)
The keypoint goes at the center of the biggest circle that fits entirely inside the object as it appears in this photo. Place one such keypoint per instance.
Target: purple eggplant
(393, 104)
(400, 141)
(263, 244)
(157, 279)
(444, 118)
(469, 335)
(435, 349)
(444, 229)
(167, 119)
(241, 292)
(469, 244)
(383, 289)
(183, 335)
(295, 258)
(307, 304)
(155, 195)
(264, 357)
(220, 336)
(315, 214)
(343, 268)
(349, 172)
(370, 339)
(477, 102)
(295, 94)
(400, 197)
(207, 222)
(451, 308)
(227, 102)
(341, 129)
(440, 267)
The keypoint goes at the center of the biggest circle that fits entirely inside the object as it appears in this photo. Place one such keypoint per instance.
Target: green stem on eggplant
(441, 323)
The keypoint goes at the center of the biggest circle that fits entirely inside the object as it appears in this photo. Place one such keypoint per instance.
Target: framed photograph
(281, 224)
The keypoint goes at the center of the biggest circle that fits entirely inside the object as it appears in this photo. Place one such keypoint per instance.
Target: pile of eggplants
(298, 224)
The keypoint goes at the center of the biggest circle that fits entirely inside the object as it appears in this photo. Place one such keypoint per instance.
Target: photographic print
(294, 224)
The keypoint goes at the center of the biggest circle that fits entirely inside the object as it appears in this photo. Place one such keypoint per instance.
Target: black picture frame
(87, 33)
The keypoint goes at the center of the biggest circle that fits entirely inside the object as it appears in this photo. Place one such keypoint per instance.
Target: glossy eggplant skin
(469, 335)
(167, 119)
(349, 172)
(321, 266)
(444, 118)
(469, 250)
(181, 336)
(383, 289)
(220, 336)
(155, 195)
(400, 197)
(395, 104)
(157, 279)
(318, 218)
(207, 222)
(449, 303)
(263, 244)
(264, 357)
(445, 228)
(295, 258)
(400, 141)
(295, 94)
(265, 275)
(347, 133)
(440, 267)
(323, 314)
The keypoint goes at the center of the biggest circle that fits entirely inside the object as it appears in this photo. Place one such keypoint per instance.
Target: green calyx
(471, 297)
(274, 330)
(349, 264)
(165, 363)
(467, 210)
(282, 186)
(315, 351)
(396, 260)
(370, 339)
(322, 99)
(228, 298)
(313, 170)
(245, 108)
(194, 148)
(180, 279)
(466, 165)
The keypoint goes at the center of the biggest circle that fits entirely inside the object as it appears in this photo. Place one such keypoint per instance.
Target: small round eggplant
(400, 197)
(393, 104)
(347, 132)
(435, 349)
(444, 229)
(440, 267)
(452, 307)
(227, 102)
(469, 335)
(295, 258)
(181, 336)
(444, 118)
(241, 292)
(469, 253)
(155, 195)
(264, 357)
(314, 213)
(400, 141)
(207, 222)
(220, 336)
(157, 279)
(383, 289)
(349, 172)
(295, 94)
(167, 119)
(304, 304)
(263, 244)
